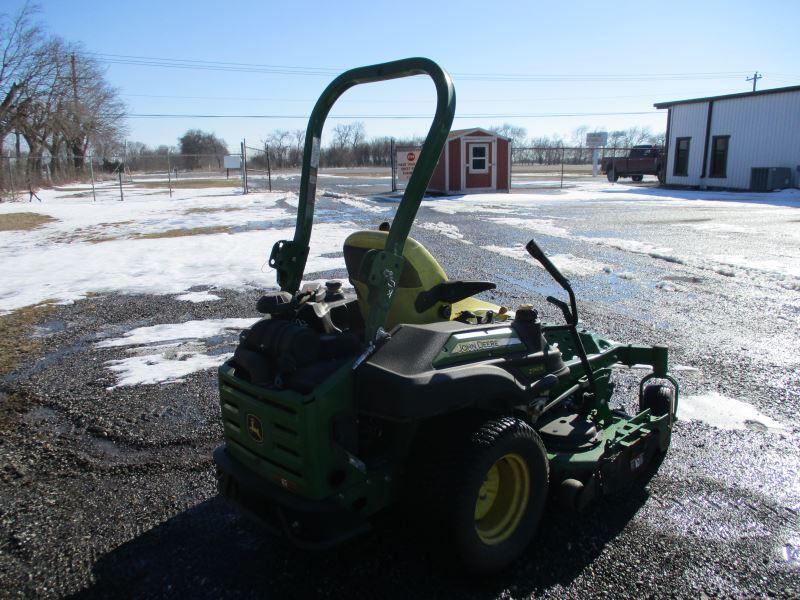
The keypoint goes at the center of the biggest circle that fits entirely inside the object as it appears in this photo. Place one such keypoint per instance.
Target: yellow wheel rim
(502, 499)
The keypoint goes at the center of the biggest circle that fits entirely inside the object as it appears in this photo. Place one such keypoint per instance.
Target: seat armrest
(450, 292)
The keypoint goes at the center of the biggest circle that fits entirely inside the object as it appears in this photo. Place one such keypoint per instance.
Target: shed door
(479, 164)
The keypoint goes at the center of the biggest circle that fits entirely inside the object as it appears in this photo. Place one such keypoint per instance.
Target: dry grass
(189, 184)
(211, 209)
(23, 221)
(16, 343)
(172, 233)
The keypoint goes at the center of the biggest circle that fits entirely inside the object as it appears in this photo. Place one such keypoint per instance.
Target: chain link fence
(254, 169)
(556, 166)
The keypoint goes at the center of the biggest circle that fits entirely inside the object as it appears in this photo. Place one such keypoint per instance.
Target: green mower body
(410, 389)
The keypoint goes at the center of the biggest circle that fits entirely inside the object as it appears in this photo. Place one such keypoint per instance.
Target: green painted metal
(478, 345)
(297, 451)
(289, 257)
(289, 439)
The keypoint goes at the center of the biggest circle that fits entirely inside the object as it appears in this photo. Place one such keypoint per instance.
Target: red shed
(473, 160)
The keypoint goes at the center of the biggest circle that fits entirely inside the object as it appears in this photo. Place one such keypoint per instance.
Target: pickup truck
(641, 161)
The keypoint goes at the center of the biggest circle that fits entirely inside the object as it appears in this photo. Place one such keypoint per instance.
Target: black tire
(659, 398)
(637, 178)
(490, 444)
(611, 175)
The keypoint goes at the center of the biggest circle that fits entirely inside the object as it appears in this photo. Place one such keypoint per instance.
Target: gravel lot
(108, 490)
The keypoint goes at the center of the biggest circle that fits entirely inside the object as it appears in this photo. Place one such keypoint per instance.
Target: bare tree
(516, 134)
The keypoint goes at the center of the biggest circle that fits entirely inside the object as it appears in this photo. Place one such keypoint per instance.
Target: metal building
(737, 141)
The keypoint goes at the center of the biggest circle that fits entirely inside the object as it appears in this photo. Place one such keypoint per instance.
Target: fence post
(91, 174)
(393, 166)
(169, 174)
(11, 179)
(244, 168)
(562, 168)
(269, 169)
(119, 172)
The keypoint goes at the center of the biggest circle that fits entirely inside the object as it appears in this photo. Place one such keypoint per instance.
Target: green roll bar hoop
(381, 268)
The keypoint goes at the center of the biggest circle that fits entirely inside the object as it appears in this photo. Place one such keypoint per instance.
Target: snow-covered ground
(167, 353)
(620, 238)
(150, 243)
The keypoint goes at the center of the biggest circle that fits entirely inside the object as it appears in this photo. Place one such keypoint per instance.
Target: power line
(192, 64)
(384, 101)
(391, 116)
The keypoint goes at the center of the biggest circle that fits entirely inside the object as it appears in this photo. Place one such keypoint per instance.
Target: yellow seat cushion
(420, 273)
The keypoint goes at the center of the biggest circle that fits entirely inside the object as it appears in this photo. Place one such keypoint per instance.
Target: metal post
(244, 168)
(11, 179)
(169, 175)
(91, 174)
(393, 166)
(595, 161)
(562, 168)
(269, 169)
(119, 172)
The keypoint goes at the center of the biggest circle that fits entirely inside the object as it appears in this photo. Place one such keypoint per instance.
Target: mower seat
(422, 289)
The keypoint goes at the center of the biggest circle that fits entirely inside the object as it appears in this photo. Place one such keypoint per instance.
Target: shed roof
(793, 88)
(462, 132)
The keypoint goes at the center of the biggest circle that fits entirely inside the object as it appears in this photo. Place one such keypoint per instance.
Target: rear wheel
(611, 174)
(498, 494)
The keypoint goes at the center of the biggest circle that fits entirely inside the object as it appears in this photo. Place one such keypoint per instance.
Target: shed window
(719, 155)
(681, 167)
(478, 158)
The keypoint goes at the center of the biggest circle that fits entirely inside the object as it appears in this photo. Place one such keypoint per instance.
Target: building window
(681, 166)
(719, 155)
(479, 158)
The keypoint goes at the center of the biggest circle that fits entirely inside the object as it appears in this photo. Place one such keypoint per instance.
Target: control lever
(570, 311)
(563, 306)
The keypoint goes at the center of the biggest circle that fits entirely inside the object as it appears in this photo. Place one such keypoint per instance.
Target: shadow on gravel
(209, 551)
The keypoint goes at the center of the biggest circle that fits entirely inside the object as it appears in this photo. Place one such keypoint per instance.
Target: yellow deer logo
(254, 428)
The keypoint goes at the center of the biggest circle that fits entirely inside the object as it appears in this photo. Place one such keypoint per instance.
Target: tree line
(348, 146)
(55, 103)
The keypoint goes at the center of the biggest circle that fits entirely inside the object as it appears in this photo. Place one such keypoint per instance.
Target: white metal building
(717, 141)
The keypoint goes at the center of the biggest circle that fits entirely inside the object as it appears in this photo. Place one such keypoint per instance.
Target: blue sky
(617, 59)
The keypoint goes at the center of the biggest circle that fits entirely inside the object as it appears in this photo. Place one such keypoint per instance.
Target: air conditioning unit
(766, 179)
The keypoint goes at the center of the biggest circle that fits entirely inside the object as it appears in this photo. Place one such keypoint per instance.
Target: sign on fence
(596, 139)
(232, 161)
(406, 161)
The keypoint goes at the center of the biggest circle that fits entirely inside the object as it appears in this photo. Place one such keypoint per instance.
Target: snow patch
(197, 297)
(713, 227)
(567, 263)
(724, 413)
(169, 352)
(176, 331)
(543, 226)
(167, 265)
(163, 367)
(445, 229)
(355, 202)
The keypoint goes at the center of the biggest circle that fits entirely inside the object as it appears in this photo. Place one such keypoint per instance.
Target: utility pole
(754, 79)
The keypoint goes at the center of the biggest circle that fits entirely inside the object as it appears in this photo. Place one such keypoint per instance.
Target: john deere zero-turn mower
(411, 390)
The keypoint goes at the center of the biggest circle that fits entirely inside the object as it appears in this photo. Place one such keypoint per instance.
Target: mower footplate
(309, 524)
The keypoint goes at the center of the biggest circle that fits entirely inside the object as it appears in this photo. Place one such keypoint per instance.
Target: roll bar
(381, 268)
